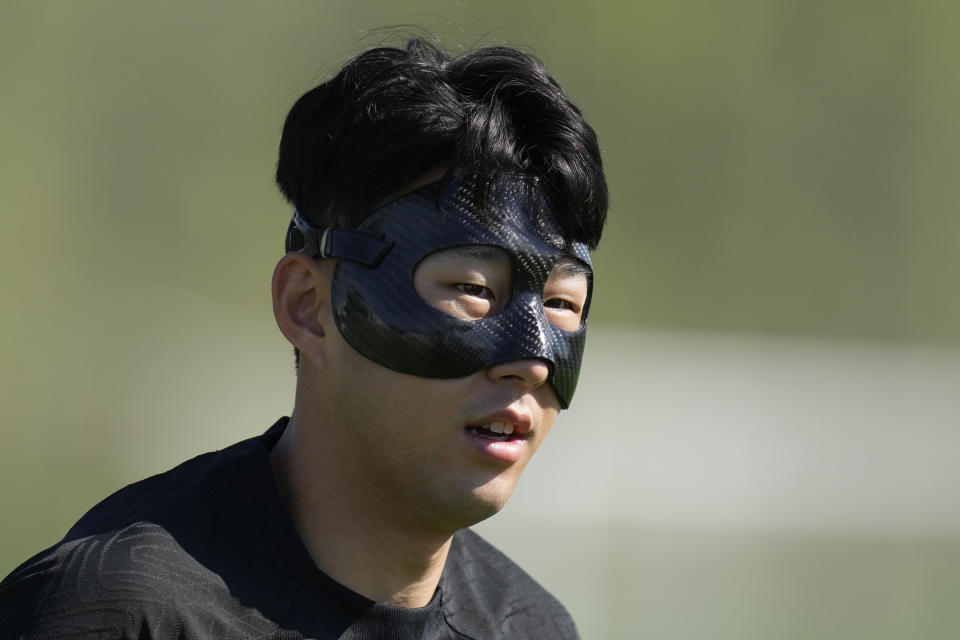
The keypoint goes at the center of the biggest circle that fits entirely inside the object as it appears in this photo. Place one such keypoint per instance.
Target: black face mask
(381, 316)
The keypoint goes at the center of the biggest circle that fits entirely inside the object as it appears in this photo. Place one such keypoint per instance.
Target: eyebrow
(571, 267)
(479, 251)
(567, 267)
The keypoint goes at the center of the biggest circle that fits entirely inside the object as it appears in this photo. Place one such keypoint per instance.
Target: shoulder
(486, 593)
(139, 564)
(178, 499)
(135, 582)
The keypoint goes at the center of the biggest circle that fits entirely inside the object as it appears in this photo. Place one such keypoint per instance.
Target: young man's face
(446, 361)
(450, 451)
(380, 312)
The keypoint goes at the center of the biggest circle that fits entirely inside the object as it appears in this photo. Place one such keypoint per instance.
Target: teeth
(499, 426)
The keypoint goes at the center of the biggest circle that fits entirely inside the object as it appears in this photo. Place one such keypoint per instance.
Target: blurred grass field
(763, 441)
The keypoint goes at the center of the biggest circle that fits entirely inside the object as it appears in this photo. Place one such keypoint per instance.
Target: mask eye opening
(469, 282)
(567, 293)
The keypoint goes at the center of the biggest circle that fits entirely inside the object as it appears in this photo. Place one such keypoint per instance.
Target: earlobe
(301, 303)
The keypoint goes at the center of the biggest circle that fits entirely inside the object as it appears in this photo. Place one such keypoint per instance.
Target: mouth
(498, 431)
(503, 441)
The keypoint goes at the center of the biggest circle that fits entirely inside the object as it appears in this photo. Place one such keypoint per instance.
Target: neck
(351, 536)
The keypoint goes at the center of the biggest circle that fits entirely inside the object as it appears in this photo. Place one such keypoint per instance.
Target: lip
(507, 451)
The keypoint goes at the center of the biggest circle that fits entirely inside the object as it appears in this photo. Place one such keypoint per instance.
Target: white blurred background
(749, 487)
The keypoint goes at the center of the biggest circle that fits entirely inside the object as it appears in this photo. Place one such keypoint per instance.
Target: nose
(523, 374)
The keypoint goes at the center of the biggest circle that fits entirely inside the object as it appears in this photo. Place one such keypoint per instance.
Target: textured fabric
(380, 314)
(207, 550)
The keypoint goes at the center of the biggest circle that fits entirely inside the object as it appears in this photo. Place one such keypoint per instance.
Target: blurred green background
(780, 171)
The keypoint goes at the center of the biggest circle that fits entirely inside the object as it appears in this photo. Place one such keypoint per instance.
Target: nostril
(527, 373)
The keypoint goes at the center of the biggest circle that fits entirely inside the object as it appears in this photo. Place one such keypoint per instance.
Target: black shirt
(208, 550)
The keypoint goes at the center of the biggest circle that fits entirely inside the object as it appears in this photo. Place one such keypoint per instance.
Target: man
(435, 287)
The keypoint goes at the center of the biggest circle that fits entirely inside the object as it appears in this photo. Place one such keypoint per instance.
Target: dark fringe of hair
(392, 115)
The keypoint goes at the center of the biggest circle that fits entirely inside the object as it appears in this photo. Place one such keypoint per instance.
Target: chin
(486, 500)
(464, 502)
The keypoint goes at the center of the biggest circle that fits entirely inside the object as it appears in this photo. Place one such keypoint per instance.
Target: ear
(301, 303)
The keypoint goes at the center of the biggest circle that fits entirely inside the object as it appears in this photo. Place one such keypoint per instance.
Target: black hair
(391, 115)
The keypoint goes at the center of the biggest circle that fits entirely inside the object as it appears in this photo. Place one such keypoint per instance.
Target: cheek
(547, 426)
(382, 408)
(549, 411)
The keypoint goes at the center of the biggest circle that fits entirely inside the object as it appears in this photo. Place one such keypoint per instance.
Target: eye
(475, 290)
(560, 303)
(565, 294)
(469, 282)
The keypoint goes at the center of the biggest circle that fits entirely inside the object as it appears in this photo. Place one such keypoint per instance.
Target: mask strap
(344, 244)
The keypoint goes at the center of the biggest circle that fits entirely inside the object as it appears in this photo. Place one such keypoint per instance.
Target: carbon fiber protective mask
(381, 316)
